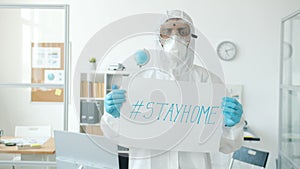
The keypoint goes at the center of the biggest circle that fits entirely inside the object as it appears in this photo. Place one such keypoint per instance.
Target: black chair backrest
(251, 156)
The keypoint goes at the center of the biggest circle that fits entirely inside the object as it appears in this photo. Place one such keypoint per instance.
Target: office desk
(44, 156)
(249, 135)
(248, 138)
(47, 148)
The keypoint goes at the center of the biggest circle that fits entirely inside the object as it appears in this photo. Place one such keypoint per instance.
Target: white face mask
(175, 49)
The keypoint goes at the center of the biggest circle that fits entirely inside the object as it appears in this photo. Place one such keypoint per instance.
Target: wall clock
(227, 50)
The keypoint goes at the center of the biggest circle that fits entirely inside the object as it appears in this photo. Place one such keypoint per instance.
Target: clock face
(227, 50)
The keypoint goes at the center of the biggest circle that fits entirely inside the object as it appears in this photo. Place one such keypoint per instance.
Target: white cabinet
(289, 124)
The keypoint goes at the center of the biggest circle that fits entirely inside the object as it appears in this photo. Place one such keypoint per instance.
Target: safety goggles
(175, 27)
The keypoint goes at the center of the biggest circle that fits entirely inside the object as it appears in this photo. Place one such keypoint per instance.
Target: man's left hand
(232, 111)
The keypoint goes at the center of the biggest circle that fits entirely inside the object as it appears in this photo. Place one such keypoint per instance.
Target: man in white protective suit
(176, 39)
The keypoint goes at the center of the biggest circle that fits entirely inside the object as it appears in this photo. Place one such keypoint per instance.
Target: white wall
(253, 25)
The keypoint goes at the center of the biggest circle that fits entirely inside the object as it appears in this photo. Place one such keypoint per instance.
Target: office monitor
(84, 151)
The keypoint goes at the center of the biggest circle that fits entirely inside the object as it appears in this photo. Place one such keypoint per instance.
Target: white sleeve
(232, 138)
(110, 125)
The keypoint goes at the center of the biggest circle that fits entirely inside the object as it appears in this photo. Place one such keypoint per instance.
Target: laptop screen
(78, 150)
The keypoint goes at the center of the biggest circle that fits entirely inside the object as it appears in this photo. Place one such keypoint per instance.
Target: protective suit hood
(186, 62)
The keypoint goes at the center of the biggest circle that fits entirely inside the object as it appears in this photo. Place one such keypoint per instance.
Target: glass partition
(291, 51)
(34, 66)
(289, 117)
(290, 144)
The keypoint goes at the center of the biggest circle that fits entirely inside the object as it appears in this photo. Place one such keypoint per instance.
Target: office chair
(250, 156)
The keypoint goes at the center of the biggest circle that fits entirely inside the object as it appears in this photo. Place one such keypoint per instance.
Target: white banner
(171, 115)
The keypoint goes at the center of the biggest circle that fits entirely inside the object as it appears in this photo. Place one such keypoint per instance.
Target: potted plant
(93, 63)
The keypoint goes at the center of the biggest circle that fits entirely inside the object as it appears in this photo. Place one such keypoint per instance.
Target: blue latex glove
(232, 111)
(114, 100)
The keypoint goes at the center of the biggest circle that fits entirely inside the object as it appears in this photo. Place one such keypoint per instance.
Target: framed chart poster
(47, 67)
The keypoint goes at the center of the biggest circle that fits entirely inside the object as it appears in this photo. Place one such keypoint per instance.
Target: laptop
(84, 151)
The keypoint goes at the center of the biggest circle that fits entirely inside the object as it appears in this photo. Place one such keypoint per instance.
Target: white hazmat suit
(181, 69)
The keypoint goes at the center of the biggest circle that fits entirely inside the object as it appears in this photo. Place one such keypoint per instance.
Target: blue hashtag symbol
(137, 106)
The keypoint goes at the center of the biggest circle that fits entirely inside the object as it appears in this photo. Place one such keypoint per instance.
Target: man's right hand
(114, 100)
